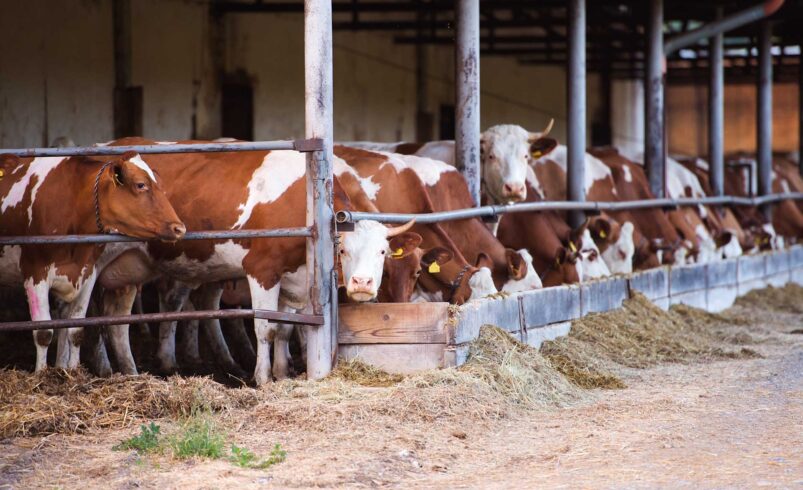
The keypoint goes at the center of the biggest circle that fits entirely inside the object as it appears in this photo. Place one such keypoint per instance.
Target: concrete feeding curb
(415, 336)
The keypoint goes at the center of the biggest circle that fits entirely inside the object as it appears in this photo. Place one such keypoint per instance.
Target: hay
(356, 371)
(641, 335)
(788, 299)
(58, 401)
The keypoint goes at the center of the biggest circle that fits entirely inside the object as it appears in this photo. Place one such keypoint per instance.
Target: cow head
(481, 281)
(565, 269)
(521, 273)
(615, 242)
(728, 244)
(504, 155)
(589, 255)
(402, 272)
(362, 254)
(130, 200)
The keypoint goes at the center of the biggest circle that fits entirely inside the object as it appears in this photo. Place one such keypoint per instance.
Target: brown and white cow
(245, 190)
(75, 195)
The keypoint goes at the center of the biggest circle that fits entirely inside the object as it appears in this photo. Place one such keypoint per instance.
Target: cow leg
(61, 310)
(209, 299)
(39, 307)
(117, 303)
(263, 299)
(78, 309)
(173, 299)
(281, 347)
(239, 341)
(98, 358)
(188, 339)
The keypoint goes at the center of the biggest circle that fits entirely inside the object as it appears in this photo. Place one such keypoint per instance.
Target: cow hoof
(167, 369)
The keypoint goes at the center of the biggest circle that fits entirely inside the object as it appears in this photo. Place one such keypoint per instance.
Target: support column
(576, 103)
(716, 111)
(423, 117)
(467, 105)
(764, 114)
(800, 107)
(654, 143)
(127, 99)
(321, 341)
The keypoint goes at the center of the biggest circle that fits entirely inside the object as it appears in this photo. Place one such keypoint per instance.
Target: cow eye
(342, 252)
(383, 252)
(141, 186)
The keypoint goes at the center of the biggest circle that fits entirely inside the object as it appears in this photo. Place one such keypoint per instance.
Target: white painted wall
(66, 46)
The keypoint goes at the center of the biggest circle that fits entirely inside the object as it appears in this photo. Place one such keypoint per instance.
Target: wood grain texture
(394, 323)
(397, 358)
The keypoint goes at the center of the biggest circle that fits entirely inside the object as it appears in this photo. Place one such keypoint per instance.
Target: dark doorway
(447, 122)
(237, 106)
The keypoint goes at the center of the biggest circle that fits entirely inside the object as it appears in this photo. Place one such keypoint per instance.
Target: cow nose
(362, 282)
(514, 190)
(178, 229)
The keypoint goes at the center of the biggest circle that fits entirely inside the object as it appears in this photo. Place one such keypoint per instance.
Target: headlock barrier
(411, 337)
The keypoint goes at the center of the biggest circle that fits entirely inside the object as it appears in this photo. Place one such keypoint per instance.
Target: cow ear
(541, 147)
(404, 244)
(484, 261)
(516, 266)
(116, 173)
(723, 238)
(600, 228)
(8, 162)
(438, 255)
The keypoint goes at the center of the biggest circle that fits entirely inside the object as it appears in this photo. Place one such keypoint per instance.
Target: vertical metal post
(467, 105)
(321, 278)
(716, 113)
(654, 144)
(423, 118)
(764, 115)
(800, 106)
(576, 103)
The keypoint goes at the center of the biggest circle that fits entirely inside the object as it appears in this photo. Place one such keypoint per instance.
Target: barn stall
(227, 101)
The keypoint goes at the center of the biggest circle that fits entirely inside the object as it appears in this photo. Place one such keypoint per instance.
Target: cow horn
(548, 127)
(398, 230)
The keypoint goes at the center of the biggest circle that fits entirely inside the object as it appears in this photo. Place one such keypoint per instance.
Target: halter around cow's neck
(96, 196)
(457, 281)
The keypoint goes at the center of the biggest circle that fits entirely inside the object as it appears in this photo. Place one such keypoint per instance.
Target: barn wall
(687, 113)
(56, 71)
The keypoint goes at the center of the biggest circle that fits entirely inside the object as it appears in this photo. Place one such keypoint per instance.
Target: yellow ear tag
(571, 246)
(2, 173)
(537, 154)
(117, 180)
(602, 234)
(397, 253)
(434, 268)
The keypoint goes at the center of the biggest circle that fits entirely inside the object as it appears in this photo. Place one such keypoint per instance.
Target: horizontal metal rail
(307, 145)
(587, 206)
(193, 235)
(100, 321)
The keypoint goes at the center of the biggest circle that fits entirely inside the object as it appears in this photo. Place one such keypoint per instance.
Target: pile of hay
(638, 335)
(788, 299)
(58, 401)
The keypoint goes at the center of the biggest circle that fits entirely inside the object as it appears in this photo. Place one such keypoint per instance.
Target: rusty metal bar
(193, 235)
(467, 94)
(587, 206)
(307, 145)
(318, 117)
(101, 321)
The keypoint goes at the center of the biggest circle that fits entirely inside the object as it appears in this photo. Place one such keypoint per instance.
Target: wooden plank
(394, 323)
(397, 358)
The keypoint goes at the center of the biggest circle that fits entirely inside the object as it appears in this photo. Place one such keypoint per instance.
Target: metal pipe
(576, 103)
(728, 23)
(764, 113)
(297, 145)
(654, 157)
(101, 321)
(467, 94)
(193, 235)
(800, 105)
(716, 113)
(586, 206)
(318, 113)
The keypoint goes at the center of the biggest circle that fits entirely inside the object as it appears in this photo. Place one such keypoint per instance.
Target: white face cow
(362, 257)
(529, 281)
(619, 256)
(504, 154)
(593, 265)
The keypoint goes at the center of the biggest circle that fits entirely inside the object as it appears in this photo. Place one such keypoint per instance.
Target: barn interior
(93, 70)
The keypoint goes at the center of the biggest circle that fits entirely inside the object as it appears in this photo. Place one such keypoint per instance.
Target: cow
(512, 270)
(395, 188)
(244, 190)
(75, 195)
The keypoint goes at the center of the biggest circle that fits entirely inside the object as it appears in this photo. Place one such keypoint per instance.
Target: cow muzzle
(514, 191)
(173, 232)
(361, 289)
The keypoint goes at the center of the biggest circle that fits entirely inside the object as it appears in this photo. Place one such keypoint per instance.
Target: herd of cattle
(157, 197)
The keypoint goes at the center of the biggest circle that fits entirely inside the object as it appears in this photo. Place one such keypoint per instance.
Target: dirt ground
(722, 424)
